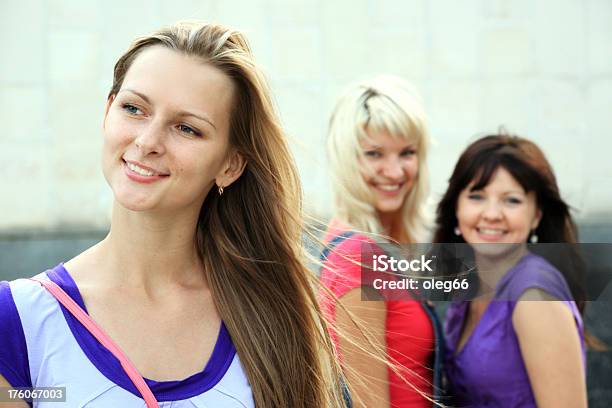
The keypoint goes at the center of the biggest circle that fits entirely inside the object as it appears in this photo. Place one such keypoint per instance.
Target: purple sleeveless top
(489, 370)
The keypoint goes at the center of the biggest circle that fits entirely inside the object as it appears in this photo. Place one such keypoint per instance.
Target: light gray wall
(541, 68)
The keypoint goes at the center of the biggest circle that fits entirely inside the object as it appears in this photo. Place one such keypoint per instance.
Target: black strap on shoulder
(337, 240)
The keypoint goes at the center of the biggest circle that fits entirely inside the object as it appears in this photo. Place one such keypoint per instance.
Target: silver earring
(220, 190)
(534, 238)
(457, 231)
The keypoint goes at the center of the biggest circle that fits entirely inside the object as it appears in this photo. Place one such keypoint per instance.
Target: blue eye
(408, 152)
(131, 109)
(189, 130)
(372, 153)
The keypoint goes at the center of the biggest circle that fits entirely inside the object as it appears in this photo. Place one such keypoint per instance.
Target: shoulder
(537, 317)
(32, 301)
(9, 316)
(540, 295)
(27, 310)
(533, 272)
(19, 297)
(341, 241)
(14, 364)
(342, 257)
(352, 243)
(346, 252)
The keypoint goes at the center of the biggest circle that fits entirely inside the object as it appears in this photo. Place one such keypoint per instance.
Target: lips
(141, 174)
(388, 188)
(142, 169)
(491, 234)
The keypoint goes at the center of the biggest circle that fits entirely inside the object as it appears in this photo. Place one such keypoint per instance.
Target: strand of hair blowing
(250, 252)
(250, 243)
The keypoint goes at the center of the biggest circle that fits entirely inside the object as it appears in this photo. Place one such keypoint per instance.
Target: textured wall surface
(542, 69)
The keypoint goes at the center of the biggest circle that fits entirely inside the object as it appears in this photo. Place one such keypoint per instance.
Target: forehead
(384, 139)
(169, 77)
(501, 181)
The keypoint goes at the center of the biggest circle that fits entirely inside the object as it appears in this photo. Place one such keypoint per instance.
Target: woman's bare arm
(366, 375)
(550, 346)
(15, 404)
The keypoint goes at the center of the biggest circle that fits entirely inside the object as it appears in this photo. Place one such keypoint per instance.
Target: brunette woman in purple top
(503, 349)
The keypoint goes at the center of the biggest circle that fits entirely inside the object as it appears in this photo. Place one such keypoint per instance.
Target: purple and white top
(43, 345)
(489, 370)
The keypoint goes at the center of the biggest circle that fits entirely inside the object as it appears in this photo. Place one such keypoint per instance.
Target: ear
(232, 169)
(536, 220)
(109, 102)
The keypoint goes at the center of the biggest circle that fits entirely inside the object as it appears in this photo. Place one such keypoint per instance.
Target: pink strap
(102, 337)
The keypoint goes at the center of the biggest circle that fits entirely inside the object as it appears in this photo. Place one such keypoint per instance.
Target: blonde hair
(249, 239)
(384, 103)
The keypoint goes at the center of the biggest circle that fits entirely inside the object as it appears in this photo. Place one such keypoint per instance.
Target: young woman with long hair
(201, 281)
(377, 147)
(520, 342)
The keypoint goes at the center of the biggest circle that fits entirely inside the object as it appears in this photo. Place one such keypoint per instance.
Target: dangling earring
(534, 238)
(457, 231)
(220, 190)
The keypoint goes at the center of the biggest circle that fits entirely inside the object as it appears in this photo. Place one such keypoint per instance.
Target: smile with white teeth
(139, 170)
(389, 187)
(490, 231)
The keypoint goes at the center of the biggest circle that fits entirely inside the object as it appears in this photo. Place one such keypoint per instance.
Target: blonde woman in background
(377, 147)
(201, 280)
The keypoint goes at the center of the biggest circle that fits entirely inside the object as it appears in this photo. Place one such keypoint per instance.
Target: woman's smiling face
(166, 132)
(389, 166)
(501, 212)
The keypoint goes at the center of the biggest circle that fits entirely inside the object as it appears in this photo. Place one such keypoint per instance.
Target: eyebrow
(504, 192)
(180, 113)
(375, 147)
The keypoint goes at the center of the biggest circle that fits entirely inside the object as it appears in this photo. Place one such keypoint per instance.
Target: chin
(133, 202)
(495, 250)
(134, 207)
(131, 205)
(388, 208)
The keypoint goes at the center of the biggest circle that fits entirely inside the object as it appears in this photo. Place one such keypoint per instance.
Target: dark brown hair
(528, 165)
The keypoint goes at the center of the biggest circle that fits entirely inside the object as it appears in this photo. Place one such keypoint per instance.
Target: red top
(409, 331)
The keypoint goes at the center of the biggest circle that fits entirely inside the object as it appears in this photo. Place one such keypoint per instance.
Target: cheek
(522, 220)
(466, 214)
(199, 162)
(366, 170)
(116, 132)
(411, 168)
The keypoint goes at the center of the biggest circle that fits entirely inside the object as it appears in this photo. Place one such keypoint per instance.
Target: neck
(491, 268)
(151, 251)
(393, 227)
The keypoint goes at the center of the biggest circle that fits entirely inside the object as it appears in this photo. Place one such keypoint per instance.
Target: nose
(150, 139)
(492, 211)
(392, 169)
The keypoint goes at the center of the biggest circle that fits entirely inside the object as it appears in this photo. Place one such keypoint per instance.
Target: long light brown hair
(249, 239)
